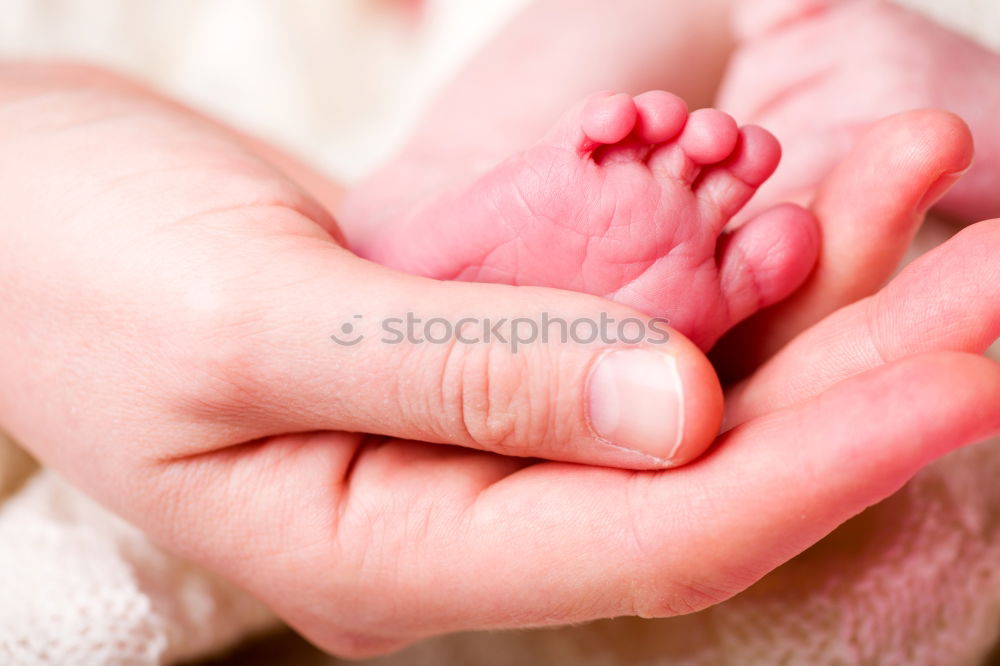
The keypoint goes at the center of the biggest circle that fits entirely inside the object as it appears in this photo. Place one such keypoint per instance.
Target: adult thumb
(521, 371)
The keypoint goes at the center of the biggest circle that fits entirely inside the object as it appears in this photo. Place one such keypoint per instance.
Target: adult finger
(328, 341)
(869, 210)
(947, 300)
(414, 540)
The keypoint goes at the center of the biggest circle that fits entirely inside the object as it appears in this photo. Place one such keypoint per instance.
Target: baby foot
(820, 73)
(626, 198)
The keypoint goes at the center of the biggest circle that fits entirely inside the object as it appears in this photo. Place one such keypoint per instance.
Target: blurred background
(337, 81)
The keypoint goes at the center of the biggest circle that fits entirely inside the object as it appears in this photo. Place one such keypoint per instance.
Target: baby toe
(709, 136)
(662, 116)
(601, 119)
(609, 119)
(727, 186)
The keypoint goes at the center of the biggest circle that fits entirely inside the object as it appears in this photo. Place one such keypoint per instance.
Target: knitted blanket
(914, 580)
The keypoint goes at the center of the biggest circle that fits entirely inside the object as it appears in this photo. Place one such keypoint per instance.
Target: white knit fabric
(912, 581)
(81, 586)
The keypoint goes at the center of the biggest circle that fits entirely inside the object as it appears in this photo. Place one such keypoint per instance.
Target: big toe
(766, 259)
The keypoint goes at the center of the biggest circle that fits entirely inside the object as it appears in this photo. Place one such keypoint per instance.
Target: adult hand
(169, 330)
(169, 293)
(367, 544)
(835, 423)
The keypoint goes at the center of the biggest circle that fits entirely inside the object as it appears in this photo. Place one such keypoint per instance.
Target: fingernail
(636, 402)
(940, 188)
